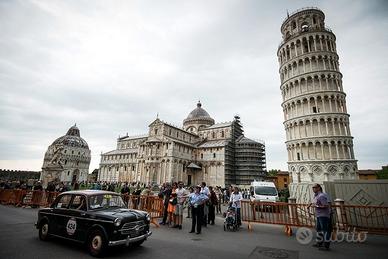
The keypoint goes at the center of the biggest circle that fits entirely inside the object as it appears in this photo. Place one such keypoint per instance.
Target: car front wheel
(96, 243)
(43, 231)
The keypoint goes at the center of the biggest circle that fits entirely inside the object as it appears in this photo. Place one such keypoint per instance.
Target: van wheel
(44, 231)
(96, 243)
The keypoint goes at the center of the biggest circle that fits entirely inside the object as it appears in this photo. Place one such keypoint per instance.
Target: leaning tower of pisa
(319, 142)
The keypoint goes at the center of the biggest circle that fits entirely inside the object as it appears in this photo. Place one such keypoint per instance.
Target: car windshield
(266, 190)
(105, 201)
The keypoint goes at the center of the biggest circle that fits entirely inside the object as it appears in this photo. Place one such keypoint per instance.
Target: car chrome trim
(54, 235)
(69, 216)
(128, 240)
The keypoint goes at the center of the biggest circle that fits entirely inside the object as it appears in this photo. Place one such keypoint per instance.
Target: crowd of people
(202, 203)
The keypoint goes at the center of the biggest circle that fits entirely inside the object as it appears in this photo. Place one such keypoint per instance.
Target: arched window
(293, 25)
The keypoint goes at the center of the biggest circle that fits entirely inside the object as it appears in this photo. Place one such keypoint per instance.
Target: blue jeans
(323, 231)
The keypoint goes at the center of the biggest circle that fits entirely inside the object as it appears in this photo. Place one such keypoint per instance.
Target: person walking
(197, 201)
(205, 191)
(213, 202)
(191, 189)
(235, 201)
(322, 213)
(181, 198)
(172, 205)
(166, 193)
(219, 199)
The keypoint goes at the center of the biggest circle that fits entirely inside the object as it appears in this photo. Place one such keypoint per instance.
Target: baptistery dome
(72, 138)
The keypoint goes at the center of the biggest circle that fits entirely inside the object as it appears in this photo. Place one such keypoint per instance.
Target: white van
(264, 192)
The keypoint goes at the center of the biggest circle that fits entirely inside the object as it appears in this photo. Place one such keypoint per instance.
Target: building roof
(153, 139)
(198, 112)
(368, 172)
(121, 151)
(244, 140)
(193, 166)
(215, 143)
(188, 144)
(220, 125)
(72, 139)
(134, 137)
(282, 173)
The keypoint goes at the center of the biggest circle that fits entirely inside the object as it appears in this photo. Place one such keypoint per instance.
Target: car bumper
(129, 240)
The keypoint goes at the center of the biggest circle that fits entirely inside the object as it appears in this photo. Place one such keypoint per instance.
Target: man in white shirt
(235, 201)
(205, 191)
(181, 197)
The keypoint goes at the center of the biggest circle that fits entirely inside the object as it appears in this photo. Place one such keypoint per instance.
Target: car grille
(133, 229)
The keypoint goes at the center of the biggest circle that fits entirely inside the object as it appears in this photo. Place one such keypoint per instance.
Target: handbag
(173, 201)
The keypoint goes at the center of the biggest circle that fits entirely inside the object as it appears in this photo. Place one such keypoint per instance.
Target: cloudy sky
(111, 66)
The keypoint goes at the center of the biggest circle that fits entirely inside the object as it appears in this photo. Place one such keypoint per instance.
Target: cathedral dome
(198, 112)
(72, 139)
(198, 118)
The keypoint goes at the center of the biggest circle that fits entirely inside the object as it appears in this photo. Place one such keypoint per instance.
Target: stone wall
(353, 192)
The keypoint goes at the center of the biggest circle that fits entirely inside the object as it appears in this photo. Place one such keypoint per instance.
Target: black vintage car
(96, 218)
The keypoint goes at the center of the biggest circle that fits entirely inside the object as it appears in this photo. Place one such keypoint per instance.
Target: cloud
(112, 66)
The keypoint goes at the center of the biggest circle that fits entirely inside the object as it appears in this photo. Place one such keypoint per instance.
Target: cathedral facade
(217, 153)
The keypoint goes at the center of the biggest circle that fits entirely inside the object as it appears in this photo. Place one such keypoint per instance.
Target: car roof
(262, 184)
(90, 192)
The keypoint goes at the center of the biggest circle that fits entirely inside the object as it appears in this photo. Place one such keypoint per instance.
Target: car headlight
(148, 217)
(117, 222)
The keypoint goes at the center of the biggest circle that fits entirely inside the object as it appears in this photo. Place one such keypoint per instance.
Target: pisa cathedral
(319, 142)
(217, 153)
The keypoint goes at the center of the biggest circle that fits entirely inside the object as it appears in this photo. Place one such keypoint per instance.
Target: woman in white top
(235, 201)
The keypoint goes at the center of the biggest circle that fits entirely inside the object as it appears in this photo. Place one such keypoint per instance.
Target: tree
(383, 173)
(273, 172)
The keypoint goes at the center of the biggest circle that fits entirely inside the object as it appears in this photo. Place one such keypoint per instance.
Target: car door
(77, 221)
(60, 212)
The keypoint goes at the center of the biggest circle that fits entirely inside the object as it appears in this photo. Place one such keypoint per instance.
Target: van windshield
(266, 190)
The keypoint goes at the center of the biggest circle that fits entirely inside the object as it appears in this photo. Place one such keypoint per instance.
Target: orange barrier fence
(27, 198)
(372, 219)
(152, 204)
